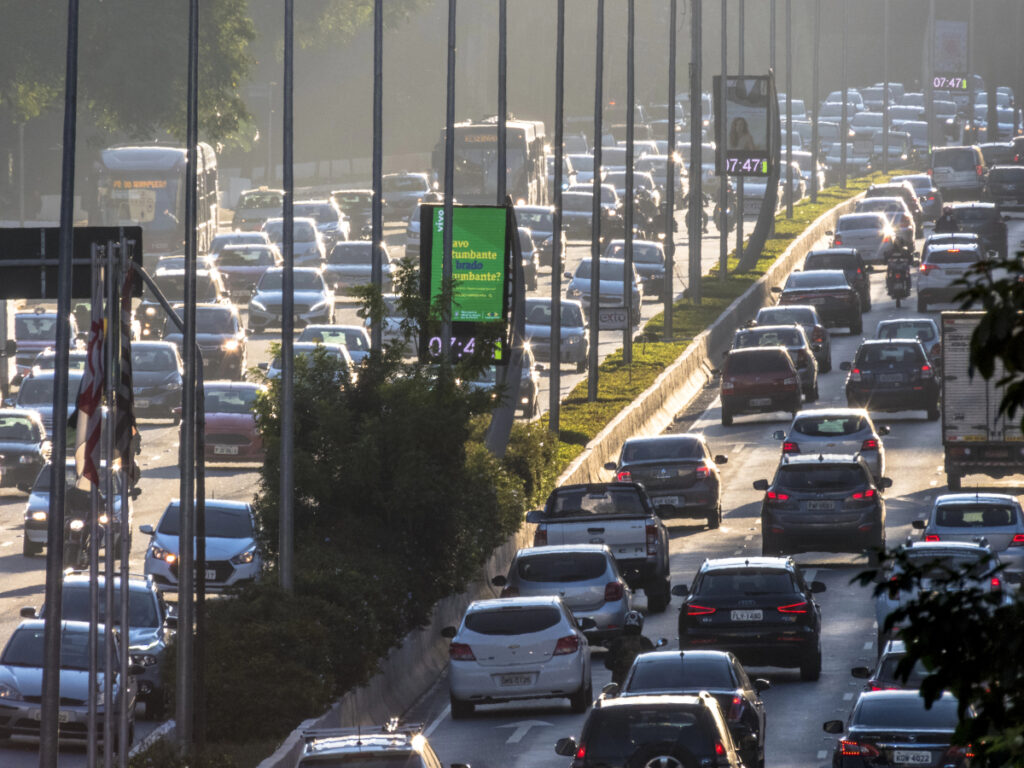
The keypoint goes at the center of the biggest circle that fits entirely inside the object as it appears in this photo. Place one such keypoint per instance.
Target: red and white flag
(124, 426)
(90, 408)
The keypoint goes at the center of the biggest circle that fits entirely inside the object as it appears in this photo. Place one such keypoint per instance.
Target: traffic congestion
(699, 606)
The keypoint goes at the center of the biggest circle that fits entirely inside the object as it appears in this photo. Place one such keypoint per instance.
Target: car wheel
(875, 551)
(726, 417)
(461, 709)
(922, 305)
(30, 548)
(581, 366)
(857, 327)
(24, 487)
(580, 701)
(659, 595)
(954, 482)
(715, 517)
(175, 420)
(933, 412)
(810, 668)
(865, 304)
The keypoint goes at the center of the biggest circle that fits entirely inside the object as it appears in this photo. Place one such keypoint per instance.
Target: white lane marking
(933, 482)
(433, 726)
(748, 537)
(847, 696)
(868, 645)
(521, 729)
(6, 544)
(822, 754)
(810, 573)
(738, 552)
(738, 449)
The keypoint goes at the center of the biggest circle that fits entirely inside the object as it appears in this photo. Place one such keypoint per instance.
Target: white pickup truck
(617, 514)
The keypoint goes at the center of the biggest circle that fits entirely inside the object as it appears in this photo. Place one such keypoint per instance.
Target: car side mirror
(28, 612)
(610, 690)
(566, 747)
(760, 684)
(832, 726)
(776, 289)
(263, 366)
(587, 623)
(829, 233)
(721, 459)
(539, 367)
(535, 516)
(761, 485)
(884, 482)
(861, 673)
(661, 643)
(817, 587)
(680, 590)
(171, 622)
(845, 365)
(868, 268)
(919, 525)
(611, 466)
(10, 348)
(885, 429)
(136, 492)
(146, 529)
(779, 434)
(567, 275)
(448, 632)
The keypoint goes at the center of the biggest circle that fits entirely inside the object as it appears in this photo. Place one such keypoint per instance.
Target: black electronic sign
(743, 138)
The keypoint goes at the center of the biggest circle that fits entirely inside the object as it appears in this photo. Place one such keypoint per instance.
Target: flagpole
(125, 421)
(107, 477)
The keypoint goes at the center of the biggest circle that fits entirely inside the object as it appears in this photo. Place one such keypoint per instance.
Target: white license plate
(760, 401)
(515, 681)
(674, 501)
(757, 615)
(890, 377)
(211, 574)
(953, 272)
(911, 757)
(141, 403)
(225, 450)
(63, 716)
(821, 506)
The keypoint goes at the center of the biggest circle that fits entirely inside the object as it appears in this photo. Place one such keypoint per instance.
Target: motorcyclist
(898, 268)
(626, 647)
(946, 222)
(703, 213)
(725, 222)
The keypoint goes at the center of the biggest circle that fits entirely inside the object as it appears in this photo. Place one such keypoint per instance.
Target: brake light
(510, 592)
(995, 584)
(979, 169)
(698, 610)
(819, 334)
(868, 493)
(926, 268)
(728, 385)
(886, 239)
(855, 374)
(926, 371)
(540, 536)
(790, 447)
(869, 445)
(460, 652)
(736, 708)
(800, 607)
(849, 748)
(581, 752)
(837, 240)
(624, 476)
(613, 592)
(874, 685)
(956, 752)
(932, 537)
(778, 496)
(652, 540)
(703, 472)
(931, 197)
(789, 381)
(1018, 540)
(566, 645)
(931, 171)
(719, 749)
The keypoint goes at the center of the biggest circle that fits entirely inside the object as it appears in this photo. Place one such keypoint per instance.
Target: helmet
(633, 621)
(947, 209)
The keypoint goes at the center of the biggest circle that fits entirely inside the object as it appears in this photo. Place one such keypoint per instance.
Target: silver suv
(958, 170)
(940, 271)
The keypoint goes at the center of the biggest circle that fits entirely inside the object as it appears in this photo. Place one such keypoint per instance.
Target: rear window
(753, 338)
(562, 567)
(819, 477)
(884, 354)
(746, 582)
(998, 153)
(975, 515)
(610, 501)
(922, 331)
(662, 448)
(887, 672)
(817, 279)
(1004, 175)
(848, 223)
(953, 256)
(249, 257)
(906, 713)
(829, 426)
(782, 316)
(355, 254)
(830, 261)
(679, 672)
(975, 216)
(754, 362)
(513, 621)
(959, 159)
(614, 733)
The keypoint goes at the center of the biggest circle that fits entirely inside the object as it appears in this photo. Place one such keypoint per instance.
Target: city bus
(143, 185)
(476, 162)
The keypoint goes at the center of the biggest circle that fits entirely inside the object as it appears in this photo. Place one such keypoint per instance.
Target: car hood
(224, 422)
(544, 332)
(216, 548)
(277, 297)
(145, 638)
(74, 683)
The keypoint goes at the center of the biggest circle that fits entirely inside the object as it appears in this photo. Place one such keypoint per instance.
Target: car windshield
(42, 482)
(319, 212)
(25, 649)
(305, 280)
(246, 257)
(37, 391)
(975, 516)
(220, 242)
(998, 153)
(1006, 175)
(887, 671)
(680, 672)
(817, 279)
(16, 428)
(351, 254)
(975, 216)
(35, 327)
(230, 400)
(902, 355)
(953, 256)
(353, 198)
(303, 231)
(142, 607)
(955, 159)
(819, 477)
(642, 254)
(221, 522)
(938, 564)
(152, 359)
(572, 502)
(260, 200)
(829, 426)
(782, 316)
(581, 202)
(561, 566)
(212, 320)
(907, 330)
(745, 582)
(755, 338)
(921, 182)
(536, 222)
(404, 184)
(610, 269)
(513, 621)
(658, 448)
(353, 338)
(615, 732)
(753, 362)
(539, 313)
(906, 713)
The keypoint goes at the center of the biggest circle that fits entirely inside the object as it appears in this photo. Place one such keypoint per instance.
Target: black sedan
(720, 674)
(220, 338)
(896, 728)
(892, 375)
(24, 448)
(829, 292)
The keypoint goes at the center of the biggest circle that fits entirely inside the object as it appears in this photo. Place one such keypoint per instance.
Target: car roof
(820, 458)
(363, 740)
(564, 549)
(891, 695)
(975, 205)
(887, 342)
(732, 563)
(222, 503)
(832, 412)
(675, 436)
(835, 251)
(498, 603)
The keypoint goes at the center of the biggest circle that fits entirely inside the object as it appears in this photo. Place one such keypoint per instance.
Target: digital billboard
(742, 125)
(480, 279)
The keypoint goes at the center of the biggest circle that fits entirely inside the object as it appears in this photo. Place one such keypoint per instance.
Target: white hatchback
(518, 648)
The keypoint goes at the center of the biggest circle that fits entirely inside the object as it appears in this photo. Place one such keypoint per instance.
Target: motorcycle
(703, 213)
(728, 221)
(897, 275)
(77, 515)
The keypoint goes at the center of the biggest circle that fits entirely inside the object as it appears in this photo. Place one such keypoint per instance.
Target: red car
(231, 433)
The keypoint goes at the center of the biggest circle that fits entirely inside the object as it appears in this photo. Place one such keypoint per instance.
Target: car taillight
(868, 493)
(652, 539)
(777, 496)
(510, 592)
(932, 537)
(613, 592)
(995, 584)
(800, 607)
(819, 334)
(581, 752)
(874, 685)
(837, 241)
(460, 652)
(956, 752)
(886, 239)
(869, 445)
(931, 198)
(736, 708)
(540, 536)
(855, 374)
(698, 610)
(790, 447)
(624, 476)
(926, 268)
(789, 381)
(719, 749)
(927, 372)
(979, 169)
(850, 748)
(566, 645)
(931, 171)
(728, 385)
(1018, 540)
(703, 472)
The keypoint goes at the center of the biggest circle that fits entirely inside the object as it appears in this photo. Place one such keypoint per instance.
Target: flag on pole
(90, 410)
(124, 428)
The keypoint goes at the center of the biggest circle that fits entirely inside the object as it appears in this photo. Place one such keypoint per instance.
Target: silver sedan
(836, 430)
(966, 516)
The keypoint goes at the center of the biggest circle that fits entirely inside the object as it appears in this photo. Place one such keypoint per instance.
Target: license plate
(141, 403)
(674, 501)
(890, 377)
(514, 681)
(953, 272)
(820, 506)
(63, 715)
(911, 757)
(225, 450)
(757, 615)
(760, 401)
(211, 574)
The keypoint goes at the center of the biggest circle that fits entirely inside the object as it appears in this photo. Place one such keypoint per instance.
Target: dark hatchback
(759, 608)
(791, 337)
(24, 448)
(823, 503)
(858, 274)
(928, 195)
(758, 380)
(888, 728)
(829, 292)
(985, 220)
(678, 471)
(807, 318)
(892, 375)
(1005, 185)
(720, 674)
(157, 371)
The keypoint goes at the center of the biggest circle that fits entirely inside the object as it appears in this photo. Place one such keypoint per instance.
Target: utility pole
(696, 155)
(376, 220)
(286, 535)
(627, 267)
(844, 125)
(555, 380)
(503, 105)
(449, 197)
(885, 88)
(815, 102)
(595, 222)
(739, 179)
(670, 176)
(723, 187)
(789, 109)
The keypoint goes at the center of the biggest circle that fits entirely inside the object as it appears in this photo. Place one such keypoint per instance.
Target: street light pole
(844, 125)
(723, 187)
(627, 270)
(789, 109)
(555, 342)
(670, 175)
(696, 206)
(885, 88)
(595, 222)
(739, 179)
(815, 149)
(376, 215)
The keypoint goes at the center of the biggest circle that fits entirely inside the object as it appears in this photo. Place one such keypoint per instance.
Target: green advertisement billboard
(478, 262)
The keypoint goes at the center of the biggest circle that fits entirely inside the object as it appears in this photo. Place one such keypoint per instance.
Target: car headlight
(171, 385)
(159, 553)
(246, 557)
(254, 304)
(39, 515)
(8, 691)
(574, 293)
(76, 525)
(231, 345)
(104, 518)
(150, 311)
(144, 659)
(573, 340)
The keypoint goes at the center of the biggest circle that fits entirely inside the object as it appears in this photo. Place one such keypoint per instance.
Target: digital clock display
(747, 166)
(950, 83)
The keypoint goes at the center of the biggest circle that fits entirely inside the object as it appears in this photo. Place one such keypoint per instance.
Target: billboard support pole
(885, 87)
(739, 181)
(724, 183)
(286, 534)
(815, 149)
(595, 221)
(555, 379)
(376, 220)
(670, 175)
(696, 207)
(449, 192)
(502, 100)
(844, 125)
(766, 216)
(789, 109)
(627, 270)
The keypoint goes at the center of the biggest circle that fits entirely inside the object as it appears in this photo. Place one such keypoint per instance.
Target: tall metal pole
(815, 103)
(739, 180)
(107, 478)
(55, 519)
(789, 109)
(555, 379)
(595, 221)
(724, 182)
(929, 81)
(377, 221)
(844, 124)
(627, 270)
(693, 286)
(885, 88)
(970, 72)
(668, 294)
(286, 535)
(449, 192)
(124, 259)
(502, 101)
(184, 690)
(92, 735)
(771, 36)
